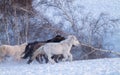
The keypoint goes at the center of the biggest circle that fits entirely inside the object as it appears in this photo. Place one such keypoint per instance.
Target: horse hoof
(52, 62)
(29, 61)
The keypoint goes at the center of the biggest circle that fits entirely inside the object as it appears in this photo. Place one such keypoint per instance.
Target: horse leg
(46, 58)
(33, 57)
(60, 57)
(70, 57)
(26, 55)
(55, 57)
(65, 57)
(1, 59)
(37, 59)
(50, 59)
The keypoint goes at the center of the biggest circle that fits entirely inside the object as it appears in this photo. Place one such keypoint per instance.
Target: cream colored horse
(63, 47)
(12, 51)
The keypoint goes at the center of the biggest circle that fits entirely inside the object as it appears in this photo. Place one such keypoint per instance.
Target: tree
(91, 31)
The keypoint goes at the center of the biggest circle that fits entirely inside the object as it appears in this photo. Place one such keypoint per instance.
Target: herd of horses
(53, 50)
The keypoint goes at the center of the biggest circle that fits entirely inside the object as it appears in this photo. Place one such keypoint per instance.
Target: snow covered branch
(97, 49)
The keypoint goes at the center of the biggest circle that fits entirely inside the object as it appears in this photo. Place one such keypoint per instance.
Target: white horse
(12, 51)
(63, 47)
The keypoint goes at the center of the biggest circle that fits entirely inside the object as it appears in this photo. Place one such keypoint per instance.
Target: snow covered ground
(105, 66)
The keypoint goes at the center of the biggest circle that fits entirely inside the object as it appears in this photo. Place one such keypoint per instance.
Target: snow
(106, 66)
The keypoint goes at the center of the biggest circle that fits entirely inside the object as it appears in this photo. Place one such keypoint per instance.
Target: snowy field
(83, 67)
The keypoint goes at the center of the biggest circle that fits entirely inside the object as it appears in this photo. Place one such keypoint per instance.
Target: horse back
(5, 50)
(54, 48)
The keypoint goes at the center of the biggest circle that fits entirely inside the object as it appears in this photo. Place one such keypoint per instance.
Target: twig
(87, 54)
(97, 49)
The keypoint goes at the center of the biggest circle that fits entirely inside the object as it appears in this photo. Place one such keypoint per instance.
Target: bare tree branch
(97, 49)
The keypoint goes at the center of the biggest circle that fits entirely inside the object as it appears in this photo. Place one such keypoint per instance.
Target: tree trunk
(16, 26)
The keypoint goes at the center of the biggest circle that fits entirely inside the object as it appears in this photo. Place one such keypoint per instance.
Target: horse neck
(68, 42)
(41, 49)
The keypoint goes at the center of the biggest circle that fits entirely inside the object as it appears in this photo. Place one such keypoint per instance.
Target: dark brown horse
(31, 47)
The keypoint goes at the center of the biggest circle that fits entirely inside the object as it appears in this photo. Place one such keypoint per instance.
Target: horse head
(74, 40)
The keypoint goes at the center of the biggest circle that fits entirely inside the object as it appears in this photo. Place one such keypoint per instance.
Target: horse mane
(38, 45)
(68, 40)
(57, 38)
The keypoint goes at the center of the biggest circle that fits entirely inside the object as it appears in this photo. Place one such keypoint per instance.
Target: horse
(12, 51)
(31, 47)
(63, 47)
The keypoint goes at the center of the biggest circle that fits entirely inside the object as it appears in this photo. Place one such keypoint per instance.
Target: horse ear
(71, 36)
